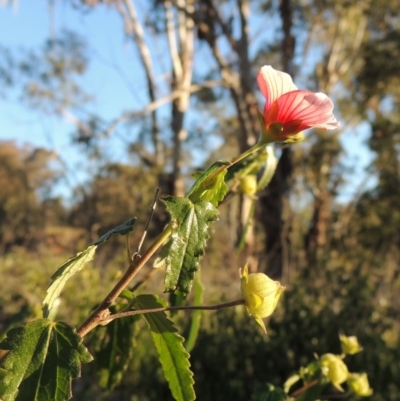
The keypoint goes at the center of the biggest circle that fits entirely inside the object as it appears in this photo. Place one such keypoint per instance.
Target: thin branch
(304, 388)
(358, 39)
(133, 26)
(146, 277)
(95, 317)
(171, 35)
(173, 308)
(153, 208)
(161, 101)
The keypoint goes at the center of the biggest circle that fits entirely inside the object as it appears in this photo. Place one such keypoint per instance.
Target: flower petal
(314, 110)
(274, 84)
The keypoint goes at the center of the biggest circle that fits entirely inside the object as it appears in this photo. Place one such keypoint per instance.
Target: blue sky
(114, 76)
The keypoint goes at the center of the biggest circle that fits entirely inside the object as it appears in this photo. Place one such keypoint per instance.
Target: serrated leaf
(77, 263)
(182, 253)
(44, 357)
(269, 392)
(171, 352)
(123, 229)
(210, 186)
(64, 273)
(114, 350)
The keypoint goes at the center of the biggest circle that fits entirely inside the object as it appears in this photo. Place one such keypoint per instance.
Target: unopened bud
(350, 345)
(358, 384)
(261, 294)
(335, 369)
(248, 184)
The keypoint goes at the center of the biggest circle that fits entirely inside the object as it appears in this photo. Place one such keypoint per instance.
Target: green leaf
(210, 185)
(114, 349)
(196, 315)
(77, 263)
(176, 298)
(171, 352)
(182, 253)
(64, 273)
(44, 357)
(123, 229)
(268, 392)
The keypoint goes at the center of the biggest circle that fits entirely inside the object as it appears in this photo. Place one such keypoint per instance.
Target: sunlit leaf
(64, 273)
(171, 352)
(77, 263)
(44, 357)
(210, 185)
(182, 253)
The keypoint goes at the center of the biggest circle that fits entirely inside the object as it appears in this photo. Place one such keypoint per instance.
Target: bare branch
(133, 26)
(173, 48)
(358, 39)
(159, 102)
(108, 318)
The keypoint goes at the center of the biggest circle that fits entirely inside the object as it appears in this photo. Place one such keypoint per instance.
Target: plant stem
(128, 248)
(248, 152)
(173, 308)
(236, 159)
(304, 388)
(136, 264)
(97, 315)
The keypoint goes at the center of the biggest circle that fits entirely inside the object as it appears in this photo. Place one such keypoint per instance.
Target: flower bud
(358, 384)
(350, 345)
(335, 369)
(260, 293)
(248, 184)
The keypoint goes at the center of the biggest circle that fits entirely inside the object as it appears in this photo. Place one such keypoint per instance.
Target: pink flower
(288, 110)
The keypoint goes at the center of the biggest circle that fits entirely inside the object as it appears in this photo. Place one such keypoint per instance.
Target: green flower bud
(350, 345)
(358, 384)
(260, 293)
(334, 369)
(248, 184)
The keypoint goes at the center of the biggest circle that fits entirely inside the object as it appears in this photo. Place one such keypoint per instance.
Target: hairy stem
(95, 318)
